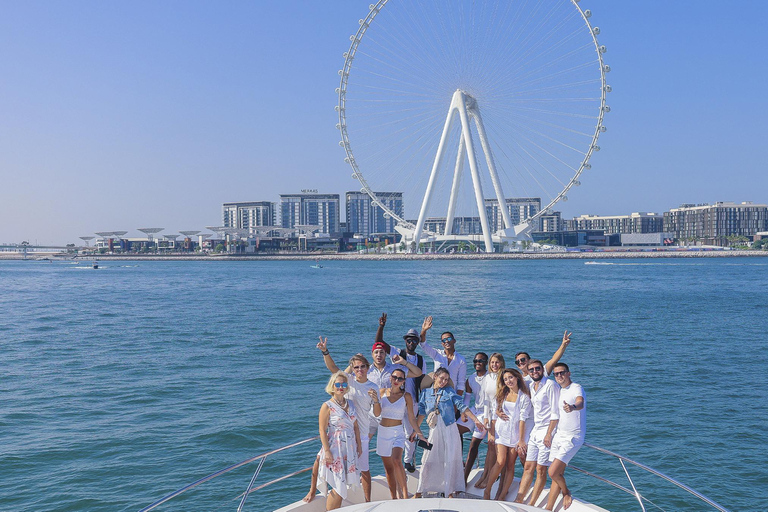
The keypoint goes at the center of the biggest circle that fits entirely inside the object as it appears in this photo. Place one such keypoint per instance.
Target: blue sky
(119, 115)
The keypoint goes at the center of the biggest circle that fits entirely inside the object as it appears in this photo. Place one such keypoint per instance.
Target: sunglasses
(520, 361)
(447, 340)
(479, 361)
(360, 367)
(411, 340)
(535, 369)
(340, 385)
(398, 379)
(559, 374)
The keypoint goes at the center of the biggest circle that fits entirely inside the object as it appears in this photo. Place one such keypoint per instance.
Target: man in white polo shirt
(544, 397)
(571, 429)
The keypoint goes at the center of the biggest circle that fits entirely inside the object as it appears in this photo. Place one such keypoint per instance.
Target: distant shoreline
(403, 257)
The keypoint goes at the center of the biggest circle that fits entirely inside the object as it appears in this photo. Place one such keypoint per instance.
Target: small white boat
(469, 501)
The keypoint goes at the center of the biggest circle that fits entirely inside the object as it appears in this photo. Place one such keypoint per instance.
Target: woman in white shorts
(396, 405)
(512, 407)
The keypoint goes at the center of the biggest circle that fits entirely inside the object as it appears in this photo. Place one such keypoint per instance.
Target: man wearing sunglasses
(412, 384)
(446, 358)
(571, 412)
(544, 397)
(522, 358)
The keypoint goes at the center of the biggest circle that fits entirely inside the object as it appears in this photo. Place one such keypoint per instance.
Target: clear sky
(120, 115)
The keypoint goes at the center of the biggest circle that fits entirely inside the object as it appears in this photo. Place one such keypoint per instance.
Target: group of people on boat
(520, 412)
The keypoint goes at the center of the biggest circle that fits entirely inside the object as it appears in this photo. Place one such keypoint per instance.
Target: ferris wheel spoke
(528, 73)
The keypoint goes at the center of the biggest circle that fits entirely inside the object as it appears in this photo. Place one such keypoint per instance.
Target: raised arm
(380, 330)
(327, 359)
(559, 352)
(413, 370)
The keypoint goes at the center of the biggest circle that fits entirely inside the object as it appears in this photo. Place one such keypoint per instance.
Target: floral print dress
(342, 472)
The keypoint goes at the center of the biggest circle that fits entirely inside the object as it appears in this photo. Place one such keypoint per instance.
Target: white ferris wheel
(512, 89)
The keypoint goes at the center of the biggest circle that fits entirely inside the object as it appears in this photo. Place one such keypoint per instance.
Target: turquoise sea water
(125, 383)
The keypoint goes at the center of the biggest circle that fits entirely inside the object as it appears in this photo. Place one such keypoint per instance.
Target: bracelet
(325, 352)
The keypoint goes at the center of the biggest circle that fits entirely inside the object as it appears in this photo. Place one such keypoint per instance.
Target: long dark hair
(502, 390)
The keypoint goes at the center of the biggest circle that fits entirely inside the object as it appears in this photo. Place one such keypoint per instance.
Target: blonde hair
(359, 357)
(498, 356)
(332, 381)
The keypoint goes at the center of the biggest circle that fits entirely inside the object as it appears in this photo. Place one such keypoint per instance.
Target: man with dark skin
(474, 387)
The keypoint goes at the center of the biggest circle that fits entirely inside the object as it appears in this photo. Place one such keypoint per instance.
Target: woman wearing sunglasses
(340, 436)
(396, 405)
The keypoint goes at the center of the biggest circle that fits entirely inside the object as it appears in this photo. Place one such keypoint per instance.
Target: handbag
(434, 414)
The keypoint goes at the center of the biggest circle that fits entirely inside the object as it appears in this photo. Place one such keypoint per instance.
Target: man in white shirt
(544, 397)
(571, 429)
(474, 388)
(412, 384)
(446, 358)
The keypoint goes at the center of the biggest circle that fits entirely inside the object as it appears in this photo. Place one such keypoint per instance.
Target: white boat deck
(381, 501)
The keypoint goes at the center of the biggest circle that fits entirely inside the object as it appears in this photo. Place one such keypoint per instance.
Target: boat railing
(260, 458)
(642, 500)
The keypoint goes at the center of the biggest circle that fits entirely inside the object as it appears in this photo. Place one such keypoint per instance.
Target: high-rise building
(520, 209)
(311, 208)
(640, 222)
(551, 222)
(364, 217)
(712, 223)
(249, 214)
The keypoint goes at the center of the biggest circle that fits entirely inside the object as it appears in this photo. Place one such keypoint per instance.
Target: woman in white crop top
(396, 405)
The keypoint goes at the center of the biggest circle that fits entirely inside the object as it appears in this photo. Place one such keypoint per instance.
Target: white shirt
(545, 400)
(574, 423)
(358, 393)
(476, 383)
(457, 368)
(489, 391)
(383, 377)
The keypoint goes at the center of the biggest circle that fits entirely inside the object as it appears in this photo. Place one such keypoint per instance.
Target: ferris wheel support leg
(467, 135)
(433, 177)
(491, 167)
(457, 172)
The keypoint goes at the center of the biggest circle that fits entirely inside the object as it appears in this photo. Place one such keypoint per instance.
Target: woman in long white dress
(442, 470)
(340, 436)
(512, 407)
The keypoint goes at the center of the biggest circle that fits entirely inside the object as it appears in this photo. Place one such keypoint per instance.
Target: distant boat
(316, 265)
(95, 264)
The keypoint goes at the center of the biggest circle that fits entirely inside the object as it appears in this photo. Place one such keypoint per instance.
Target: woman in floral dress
(341, 442)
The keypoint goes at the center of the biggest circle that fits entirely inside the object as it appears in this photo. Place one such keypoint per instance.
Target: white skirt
(442, 468)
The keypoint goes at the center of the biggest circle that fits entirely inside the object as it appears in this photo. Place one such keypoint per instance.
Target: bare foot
(567, 501)
(309, 497)
(480, 484)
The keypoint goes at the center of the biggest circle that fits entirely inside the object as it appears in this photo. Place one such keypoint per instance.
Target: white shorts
(389, 438)
(362, 460)
(477, 434)
(564, 447)
(537, 450)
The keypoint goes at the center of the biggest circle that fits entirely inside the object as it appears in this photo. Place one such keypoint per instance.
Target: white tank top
(393, 410)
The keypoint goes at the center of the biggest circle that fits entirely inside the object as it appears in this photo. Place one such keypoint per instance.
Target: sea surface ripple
(125, 383)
